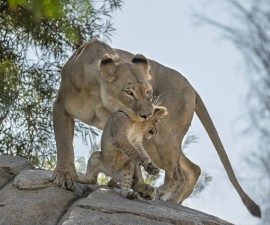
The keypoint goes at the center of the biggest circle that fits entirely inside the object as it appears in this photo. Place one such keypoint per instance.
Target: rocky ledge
(27, 197)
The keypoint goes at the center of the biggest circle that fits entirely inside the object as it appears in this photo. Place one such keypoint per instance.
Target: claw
(149, 193)
(64, 178)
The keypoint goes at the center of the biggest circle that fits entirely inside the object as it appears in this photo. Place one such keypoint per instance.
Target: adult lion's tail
(206, 120)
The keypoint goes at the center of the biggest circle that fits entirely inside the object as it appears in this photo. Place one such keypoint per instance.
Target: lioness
(98, 80)
(122, 152)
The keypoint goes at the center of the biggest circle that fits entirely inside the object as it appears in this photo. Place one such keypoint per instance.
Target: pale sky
(165, 31)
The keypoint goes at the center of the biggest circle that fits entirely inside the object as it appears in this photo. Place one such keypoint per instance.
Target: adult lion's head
(125, 86)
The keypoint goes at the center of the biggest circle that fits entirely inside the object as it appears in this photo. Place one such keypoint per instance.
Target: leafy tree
(201, 184)
(36, 38)
(250, 33)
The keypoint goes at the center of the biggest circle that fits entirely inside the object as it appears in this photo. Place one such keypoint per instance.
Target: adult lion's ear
(142, 62)
(159, 112)
(107, 68)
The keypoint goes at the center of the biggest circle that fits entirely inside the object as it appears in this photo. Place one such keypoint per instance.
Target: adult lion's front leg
(65, 172)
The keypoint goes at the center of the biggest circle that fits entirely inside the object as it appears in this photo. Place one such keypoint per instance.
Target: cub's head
(125, 86)
(150, 126)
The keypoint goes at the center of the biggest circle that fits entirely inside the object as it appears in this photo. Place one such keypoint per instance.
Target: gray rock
(32, 198)
(106, 206)
(33, 207)
(39, 179)
(28, 197)
(10, 166)
(33, 179)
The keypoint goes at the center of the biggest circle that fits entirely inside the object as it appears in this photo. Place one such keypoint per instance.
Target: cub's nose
(153, 131)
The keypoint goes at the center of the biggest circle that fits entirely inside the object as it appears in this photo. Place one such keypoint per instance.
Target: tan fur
(122, 153)
(91, 91)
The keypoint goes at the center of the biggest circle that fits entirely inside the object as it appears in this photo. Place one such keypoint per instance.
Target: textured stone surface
(28, 197)
(33, 199)
(43, 206)
(11, 166)
(108, 207)
(33, 179)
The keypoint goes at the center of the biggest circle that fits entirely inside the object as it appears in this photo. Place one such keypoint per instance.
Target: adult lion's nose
(145, 116)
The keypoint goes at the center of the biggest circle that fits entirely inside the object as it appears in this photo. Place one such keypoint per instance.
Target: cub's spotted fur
(122, 152)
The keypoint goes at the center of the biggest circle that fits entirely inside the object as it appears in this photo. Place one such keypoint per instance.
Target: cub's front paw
(64, 177)
(152, 168)
(132, 195)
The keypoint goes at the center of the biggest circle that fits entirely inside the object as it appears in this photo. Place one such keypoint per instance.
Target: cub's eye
(149, 93)
(129, 92)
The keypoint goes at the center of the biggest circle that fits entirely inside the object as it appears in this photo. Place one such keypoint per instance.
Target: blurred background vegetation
(36, 38)
(250, 34)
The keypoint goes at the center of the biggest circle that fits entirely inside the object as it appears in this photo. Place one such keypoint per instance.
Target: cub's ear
(107, 68)
(159, 112)
(142, 62)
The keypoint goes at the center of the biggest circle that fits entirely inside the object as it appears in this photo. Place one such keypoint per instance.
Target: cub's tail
(83, 179)
(206, 120)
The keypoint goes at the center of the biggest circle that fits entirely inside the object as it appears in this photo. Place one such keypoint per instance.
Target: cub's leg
(151, 168)
(94, 167)
(138, 154)
(145, 190)
(126, 181)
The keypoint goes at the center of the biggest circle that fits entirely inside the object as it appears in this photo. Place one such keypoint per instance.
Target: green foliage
(80, 164)
(103, 179)
(201, 184)
(189, 139)
(150, 179)
(36, 38)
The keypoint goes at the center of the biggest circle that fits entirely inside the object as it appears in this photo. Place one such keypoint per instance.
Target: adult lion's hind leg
(191, 174)
(64, 174)
(170, 165)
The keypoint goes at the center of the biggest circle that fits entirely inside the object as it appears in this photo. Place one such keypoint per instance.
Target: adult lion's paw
(64, 177)
(149, 192)
(163, 195)
(113, 183)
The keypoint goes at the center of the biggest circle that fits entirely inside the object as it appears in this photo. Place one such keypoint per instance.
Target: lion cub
(122, 152)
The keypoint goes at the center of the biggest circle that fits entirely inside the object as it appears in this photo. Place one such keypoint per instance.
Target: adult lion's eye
(129, 92)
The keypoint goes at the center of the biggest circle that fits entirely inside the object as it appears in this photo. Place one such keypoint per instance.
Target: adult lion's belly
(85, 110)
